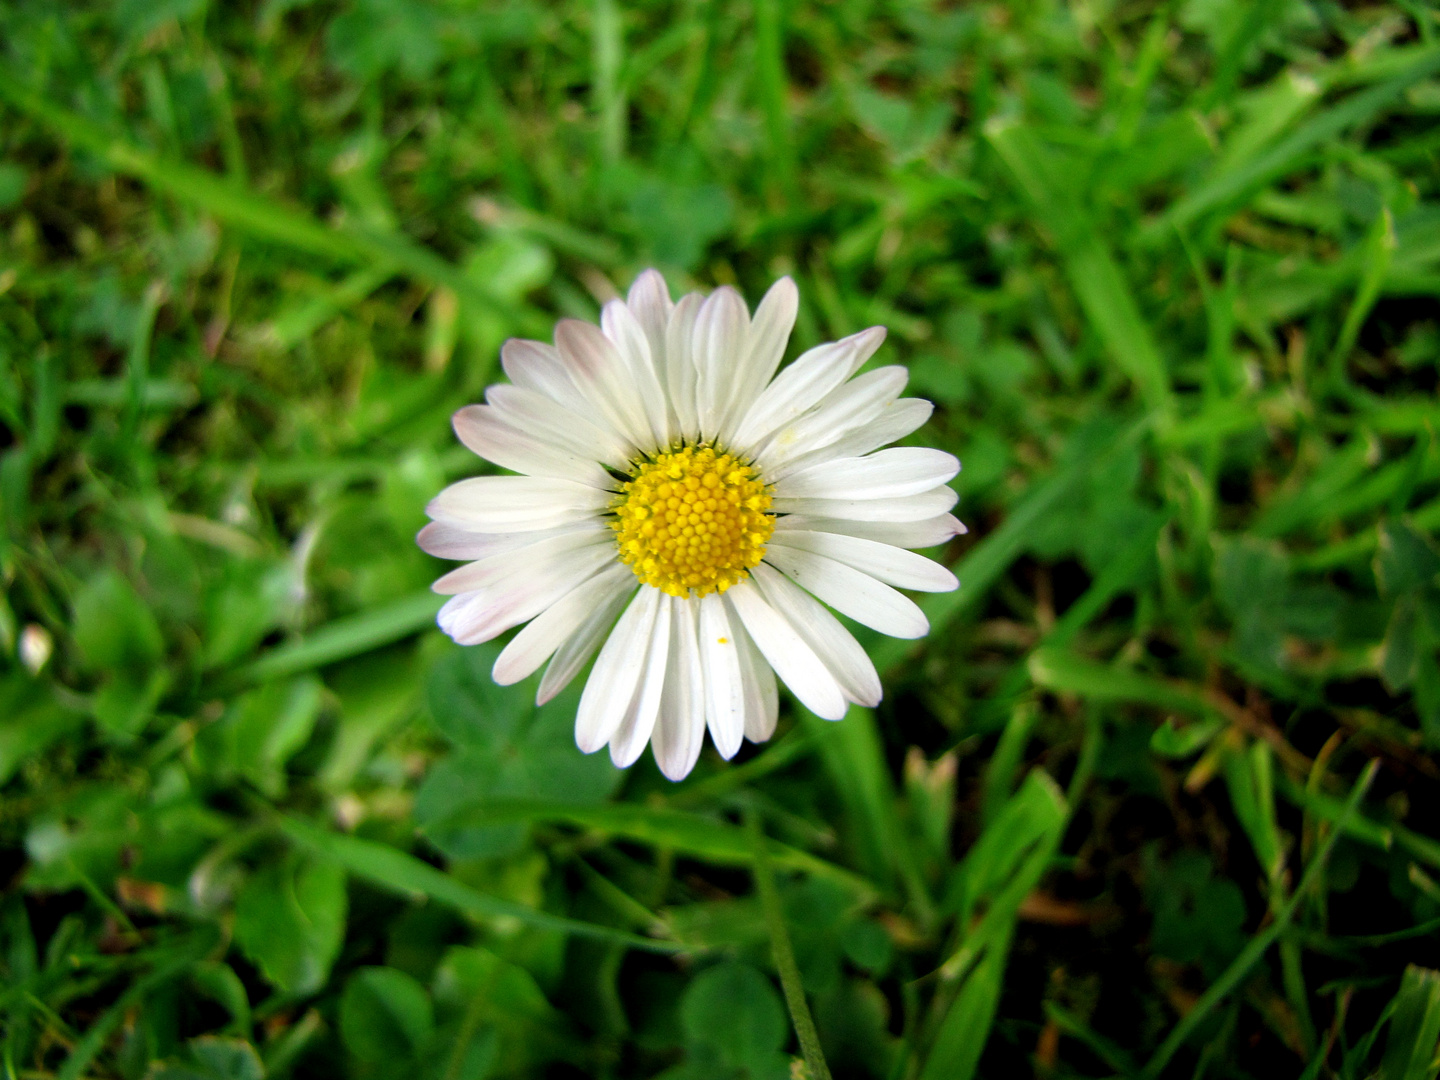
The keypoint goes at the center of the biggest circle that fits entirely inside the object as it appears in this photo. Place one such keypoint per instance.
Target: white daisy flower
(689, 513)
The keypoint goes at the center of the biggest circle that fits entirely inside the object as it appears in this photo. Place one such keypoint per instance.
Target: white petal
(895, 421)
(845, 408)
(885, 474)
(719, 339)
(630, 340)
(724, 688)
(905, 534)
(473, 617)
(635, 729)
(548, 556)
(455, 542)
(535, 366)
(604, 378)
(680, 730)
(786, 651)
(482, 430)
(764, 348)
(771, 327)
(910, 508)
(892, 565)
(545, 633)
(867, 601)
(804, 383)
(539, 415)
(681, 377)
(833, 644)
(516, 503)
(611, 687)
(650, 303)
(762, 702)
(581, 645)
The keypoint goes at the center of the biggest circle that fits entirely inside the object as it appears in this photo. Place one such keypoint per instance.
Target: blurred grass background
(1157, 797)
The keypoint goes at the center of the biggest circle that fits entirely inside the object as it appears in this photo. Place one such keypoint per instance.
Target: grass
(1156, 797)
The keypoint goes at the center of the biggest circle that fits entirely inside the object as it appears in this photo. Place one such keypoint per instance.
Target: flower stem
(784, 956)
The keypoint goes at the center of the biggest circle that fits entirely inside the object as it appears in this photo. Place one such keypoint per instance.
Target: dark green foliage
(1170, 273)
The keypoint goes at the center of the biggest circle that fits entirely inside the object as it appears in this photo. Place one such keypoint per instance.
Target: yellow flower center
(692, 519)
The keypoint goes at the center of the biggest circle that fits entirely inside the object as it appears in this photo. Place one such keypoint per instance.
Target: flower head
(688, 513)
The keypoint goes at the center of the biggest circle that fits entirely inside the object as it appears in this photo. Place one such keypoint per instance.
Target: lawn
(1156, 797)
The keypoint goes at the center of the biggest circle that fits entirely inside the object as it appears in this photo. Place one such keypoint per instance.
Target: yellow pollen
(692, 521)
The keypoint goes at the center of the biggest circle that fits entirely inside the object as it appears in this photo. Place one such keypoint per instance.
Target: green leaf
(511, 265)
(385, 1016)
(1405, 560)
(1198, 916)
(480, 990)
(732, 1015)
(12, 184)
(374, 696)
(676, 219)
(220, 984)
(506, 749)
(32, 718)
(127, 700)
(113, 627)
(1403, 648)
(213, 1058)
(261, 731)
(1253, 585)
(290, 921)
(374, 36)
(868, 946)
(254, 599)
(1180, 742)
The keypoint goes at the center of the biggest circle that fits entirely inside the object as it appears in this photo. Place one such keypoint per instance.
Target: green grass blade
(403, 873)
(770, 72)
(1269, 164)
(1030, 826)
(1379, 249)
(1410, 1046)
(344, 638)
(297, 323)
(1059, 669)
(1099, 285)
(1261, 942)
(673, 830)
(608, 56)
(169, 967)
(237, 206)
(855, 759)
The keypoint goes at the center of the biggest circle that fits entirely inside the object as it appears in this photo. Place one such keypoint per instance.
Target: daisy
(689, 513)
